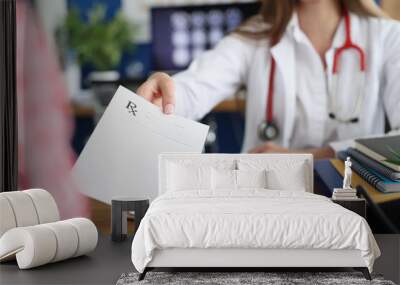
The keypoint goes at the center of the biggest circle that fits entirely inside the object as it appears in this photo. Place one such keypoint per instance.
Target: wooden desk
(392, 7)
(231, 105)
(82, 111)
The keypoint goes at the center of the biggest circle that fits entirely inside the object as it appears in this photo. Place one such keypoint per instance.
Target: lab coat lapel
(283, 53)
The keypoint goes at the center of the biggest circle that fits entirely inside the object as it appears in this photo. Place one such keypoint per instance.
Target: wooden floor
(100, 214)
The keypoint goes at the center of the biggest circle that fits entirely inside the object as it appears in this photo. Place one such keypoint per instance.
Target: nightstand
(358, 206)
(119, 211)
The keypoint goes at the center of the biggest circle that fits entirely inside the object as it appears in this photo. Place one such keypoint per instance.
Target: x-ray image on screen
(198, 19)
(199, 37)
(233, 18)
(180, 38)
(215, 18)
(182, 33)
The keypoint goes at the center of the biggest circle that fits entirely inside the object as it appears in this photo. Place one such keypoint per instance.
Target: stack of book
(344, 194)
(377, 160)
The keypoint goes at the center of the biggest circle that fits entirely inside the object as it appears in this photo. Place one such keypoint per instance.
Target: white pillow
(187, 177)
(293, 179)
(251, 178)
(223, 179)
(282, 174)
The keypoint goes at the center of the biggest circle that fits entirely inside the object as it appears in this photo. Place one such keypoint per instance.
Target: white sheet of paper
(121, 156)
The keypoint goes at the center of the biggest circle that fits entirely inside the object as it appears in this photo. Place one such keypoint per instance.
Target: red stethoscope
(268, 130)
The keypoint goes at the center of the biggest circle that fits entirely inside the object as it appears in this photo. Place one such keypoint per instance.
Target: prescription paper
(121, 156)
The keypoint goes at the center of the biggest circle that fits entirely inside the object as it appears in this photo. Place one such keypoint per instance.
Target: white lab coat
(236, 61)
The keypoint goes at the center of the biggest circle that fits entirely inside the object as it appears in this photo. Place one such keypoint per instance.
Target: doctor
(317, 73)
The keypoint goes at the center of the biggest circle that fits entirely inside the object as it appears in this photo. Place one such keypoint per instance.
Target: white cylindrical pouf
(67, 239)
(45, 205)
(7, 218)
(23, 208)
(34, 246)
(40, 244)
(87, 233)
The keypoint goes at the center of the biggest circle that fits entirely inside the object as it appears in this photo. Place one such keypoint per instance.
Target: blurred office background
(166, 36)
(73, 54)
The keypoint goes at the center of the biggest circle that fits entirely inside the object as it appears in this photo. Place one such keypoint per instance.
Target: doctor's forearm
(322, 152)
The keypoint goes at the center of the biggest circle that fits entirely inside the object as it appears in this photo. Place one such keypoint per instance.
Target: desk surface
(103, 266)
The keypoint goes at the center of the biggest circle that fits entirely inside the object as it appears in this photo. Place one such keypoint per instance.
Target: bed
(246, 211)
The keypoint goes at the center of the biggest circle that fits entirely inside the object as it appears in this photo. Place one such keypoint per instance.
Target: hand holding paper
(121, 156)
(160, 90)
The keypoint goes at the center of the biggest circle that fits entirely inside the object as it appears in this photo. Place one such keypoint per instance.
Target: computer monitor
(181, 33)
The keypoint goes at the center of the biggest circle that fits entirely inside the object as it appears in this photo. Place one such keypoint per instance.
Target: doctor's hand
(159, 89)
(318, 153)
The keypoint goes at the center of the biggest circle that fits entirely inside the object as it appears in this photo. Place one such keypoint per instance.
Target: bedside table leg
(116, 222)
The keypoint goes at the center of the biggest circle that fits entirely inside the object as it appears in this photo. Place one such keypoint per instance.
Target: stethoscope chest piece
(267, 131)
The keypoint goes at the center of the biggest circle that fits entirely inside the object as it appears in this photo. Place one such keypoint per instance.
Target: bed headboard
(286, 162)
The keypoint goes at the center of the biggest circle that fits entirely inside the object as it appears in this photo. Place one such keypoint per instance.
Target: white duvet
(250, 219)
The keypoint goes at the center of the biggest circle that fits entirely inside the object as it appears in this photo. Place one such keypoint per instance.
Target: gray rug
(232, 278)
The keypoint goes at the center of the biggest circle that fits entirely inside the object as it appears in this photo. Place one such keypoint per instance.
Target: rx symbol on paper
(132, 108)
